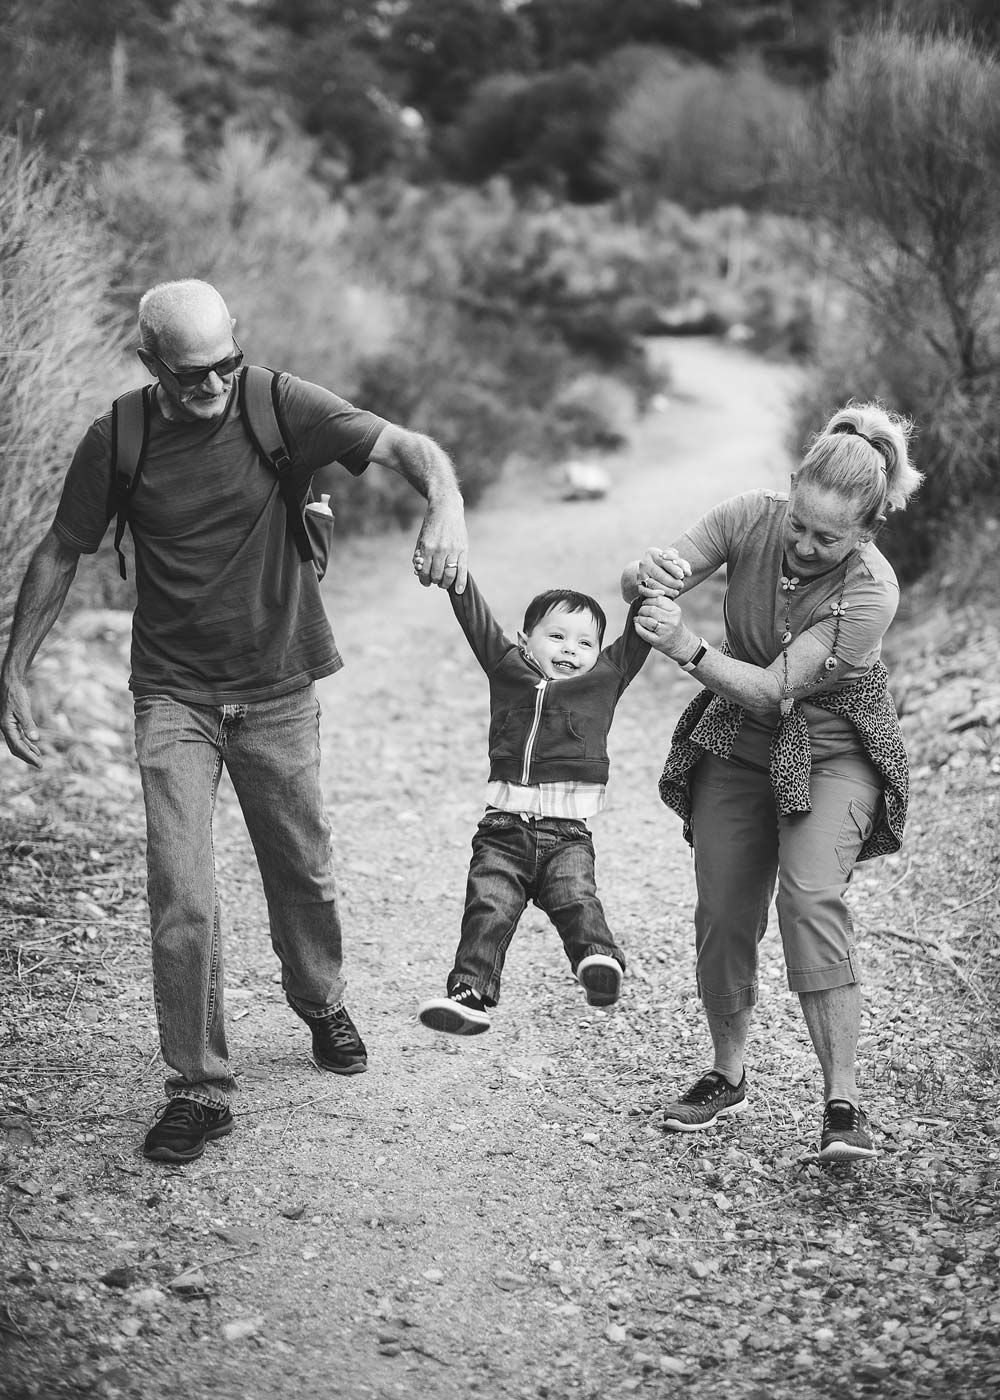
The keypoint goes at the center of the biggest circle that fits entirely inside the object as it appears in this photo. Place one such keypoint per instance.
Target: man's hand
(662, 572)
(16, 722)
(441, 553)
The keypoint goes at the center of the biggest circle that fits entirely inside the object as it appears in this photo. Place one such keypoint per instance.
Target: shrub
(544, 130)
(907, 140)
(703, 137)
(60, 349)
(260, 228)
(593, 411)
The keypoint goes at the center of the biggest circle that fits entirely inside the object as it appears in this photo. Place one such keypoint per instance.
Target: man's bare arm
(43, 591)
(441, 552)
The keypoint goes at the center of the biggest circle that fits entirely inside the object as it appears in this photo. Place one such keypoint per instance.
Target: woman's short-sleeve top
(745, 533)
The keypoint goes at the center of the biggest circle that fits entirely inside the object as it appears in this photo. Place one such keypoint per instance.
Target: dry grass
(59, 348)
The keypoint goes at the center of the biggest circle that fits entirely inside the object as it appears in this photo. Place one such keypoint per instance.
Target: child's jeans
(547, 859)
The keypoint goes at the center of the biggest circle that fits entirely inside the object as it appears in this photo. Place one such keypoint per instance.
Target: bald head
(172, 313)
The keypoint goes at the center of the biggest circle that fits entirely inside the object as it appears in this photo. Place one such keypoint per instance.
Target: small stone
(241, 1327)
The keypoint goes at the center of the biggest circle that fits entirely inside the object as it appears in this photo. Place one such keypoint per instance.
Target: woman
(790, 763)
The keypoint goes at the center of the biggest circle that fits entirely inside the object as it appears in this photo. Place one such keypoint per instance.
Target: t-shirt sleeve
(326, 428)
(870, 606)
(82, 514)
(715, 537)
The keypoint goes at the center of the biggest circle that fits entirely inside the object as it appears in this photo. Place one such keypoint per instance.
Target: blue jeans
(271, 751)
(547, 859)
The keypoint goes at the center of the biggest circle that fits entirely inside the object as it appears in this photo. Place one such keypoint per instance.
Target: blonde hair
(863, 454)
(167, 304)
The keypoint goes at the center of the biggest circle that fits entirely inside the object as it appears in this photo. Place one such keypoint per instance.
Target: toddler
(553, 693)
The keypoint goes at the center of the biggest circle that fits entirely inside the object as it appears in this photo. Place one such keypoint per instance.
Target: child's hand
(662, 573)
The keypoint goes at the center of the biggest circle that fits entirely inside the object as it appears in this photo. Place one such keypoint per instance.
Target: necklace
(789, 583)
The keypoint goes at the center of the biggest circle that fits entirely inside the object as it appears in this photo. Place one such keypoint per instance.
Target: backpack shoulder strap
(129, 439)
(258, 391)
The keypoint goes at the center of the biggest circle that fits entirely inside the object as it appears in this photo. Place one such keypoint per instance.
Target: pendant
(829, 663)
(786, 637)
(786, 706)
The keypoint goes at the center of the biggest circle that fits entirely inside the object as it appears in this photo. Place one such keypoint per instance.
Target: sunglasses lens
(191, 378)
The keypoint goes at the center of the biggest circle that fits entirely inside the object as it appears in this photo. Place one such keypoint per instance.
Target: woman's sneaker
(600, 977)
(461, 1012)
(712, 1097)
(845, 1133)
(182, 1128)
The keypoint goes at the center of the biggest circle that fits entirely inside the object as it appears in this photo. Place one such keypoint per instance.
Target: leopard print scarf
(711, 723)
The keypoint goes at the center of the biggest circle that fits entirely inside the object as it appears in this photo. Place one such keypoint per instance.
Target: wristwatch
(698, 657)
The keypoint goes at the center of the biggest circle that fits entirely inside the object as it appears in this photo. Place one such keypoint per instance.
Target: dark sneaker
(461, 1012)
(600, 977)
(712, 1097)
(336, 1044)
(182, 1128)
(845, 1133)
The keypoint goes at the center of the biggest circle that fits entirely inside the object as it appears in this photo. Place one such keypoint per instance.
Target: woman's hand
(660, 622)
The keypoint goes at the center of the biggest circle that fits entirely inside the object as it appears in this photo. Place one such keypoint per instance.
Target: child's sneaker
(461, 1012)
(601, 978)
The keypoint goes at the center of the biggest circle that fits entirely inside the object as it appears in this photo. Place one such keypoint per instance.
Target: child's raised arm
(482, 631)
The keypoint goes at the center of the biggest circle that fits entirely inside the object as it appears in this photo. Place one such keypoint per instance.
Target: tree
(442, 48)
(905, 152)
(903, 171)
(703, 137)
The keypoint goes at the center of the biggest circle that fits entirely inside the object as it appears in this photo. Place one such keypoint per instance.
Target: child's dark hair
(569, 599)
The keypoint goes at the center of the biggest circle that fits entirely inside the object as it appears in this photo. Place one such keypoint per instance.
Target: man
(228, 638)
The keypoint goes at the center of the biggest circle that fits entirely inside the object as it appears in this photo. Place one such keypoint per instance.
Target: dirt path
(497, 1217)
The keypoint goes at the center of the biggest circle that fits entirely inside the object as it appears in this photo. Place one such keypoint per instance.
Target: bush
(544, 130)
(60, 349)
(704, 137)
(593, 412)
(259, 227)
(907, 139)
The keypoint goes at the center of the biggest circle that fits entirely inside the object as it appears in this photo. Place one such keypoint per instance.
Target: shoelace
(337, 1032)
(180, 1113)
(840, 1117)
(708, 1087)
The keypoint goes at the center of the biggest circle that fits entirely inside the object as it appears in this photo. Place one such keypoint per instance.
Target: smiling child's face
(564, 643)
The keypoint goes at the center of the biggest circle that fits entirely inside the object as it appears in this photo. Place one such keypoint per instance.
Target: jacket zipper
(532, 732)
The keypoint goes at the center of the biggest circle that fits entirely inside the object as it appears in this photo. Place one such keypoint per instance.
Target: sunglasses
(191, 378)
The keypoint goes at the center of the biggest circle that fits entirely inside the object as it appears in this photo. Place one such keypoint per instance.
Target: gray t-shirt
(226, 610)
(745, 533)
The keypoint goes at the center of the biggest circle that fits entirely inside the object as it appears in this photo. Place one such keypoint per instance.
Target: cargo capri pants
(741, 846)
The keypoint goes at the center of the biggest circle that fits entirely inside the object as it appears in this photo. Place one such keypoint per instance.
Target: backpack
(310, 521)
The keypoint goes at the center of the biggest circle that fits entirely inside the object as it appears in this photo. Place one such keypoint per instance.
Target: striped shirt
(574, 801)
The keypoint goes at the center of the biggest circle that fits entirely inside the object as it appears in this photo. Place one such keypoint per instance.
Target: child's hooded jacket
(541, 730)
